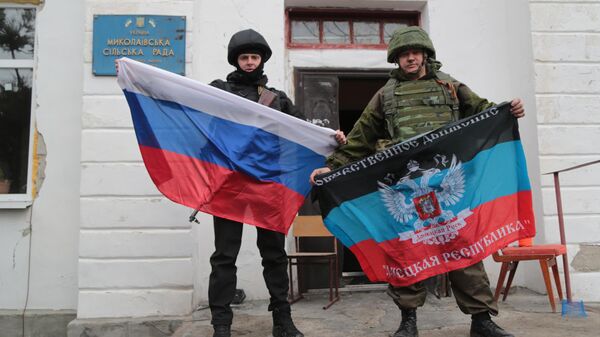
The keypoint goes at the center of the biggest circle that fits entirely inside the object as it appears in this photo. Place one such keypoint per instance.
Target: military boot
(283, 326)
(222, 331)
(483, 326)
(408, 326)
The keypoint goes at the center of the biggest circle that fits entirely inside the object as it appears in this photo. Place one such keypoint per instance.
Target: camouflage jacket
(382, 123)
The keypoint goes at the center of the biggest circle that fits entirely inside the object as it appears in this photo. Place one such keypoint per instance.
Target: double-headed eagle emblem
(410, 199)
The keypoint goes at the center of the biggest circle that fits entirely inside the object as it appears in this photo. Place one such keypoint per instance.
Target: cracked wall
(587, 259)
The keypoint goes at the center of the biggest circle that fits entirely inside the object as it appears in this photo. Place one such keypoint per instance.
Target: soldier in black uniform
(248, 51)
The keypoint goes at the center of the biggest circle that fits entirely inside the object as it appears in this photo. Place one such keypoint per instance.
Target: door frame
(339, 74)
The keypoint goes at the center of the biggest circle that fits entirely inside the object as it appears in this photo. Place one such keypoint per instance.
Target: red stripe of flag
(214, 189)
(497, 220)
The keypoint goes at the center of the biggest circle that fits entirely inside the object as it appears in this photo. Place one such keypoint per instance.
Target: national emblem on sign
(418, 201)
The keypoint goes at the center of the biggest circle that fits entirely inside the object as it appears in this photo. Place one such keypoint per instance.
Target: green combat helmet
(409, 37)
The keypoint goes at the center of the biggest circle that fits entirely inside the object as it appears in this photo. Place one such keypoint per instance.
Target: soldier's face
(411, 62)
(249, 62)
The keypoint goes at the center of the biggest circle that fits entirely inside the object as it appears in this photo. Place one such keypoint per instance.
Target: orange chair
(546, 254)
(312, 226)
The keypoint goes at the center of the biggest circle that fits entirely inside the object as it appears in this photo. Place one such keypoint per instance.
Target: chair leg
(513, 269)
(294, 299)
(337, 279)
(501, 277)
(300, 277)
(554, 264)
(332, 282)
(546, 274)
(291, 279)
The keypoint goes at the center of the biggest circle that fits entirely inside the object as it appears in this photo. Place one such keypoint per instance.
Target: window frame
(351, 15)
(23, 200)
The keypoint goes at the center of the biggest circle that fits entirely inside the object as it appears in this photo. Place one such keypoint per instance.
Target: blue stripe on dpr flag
(259, 154)
(504, 160)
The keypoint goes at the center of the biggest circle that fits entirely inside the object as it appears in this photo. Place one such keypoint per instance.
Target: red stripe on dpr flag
(402, 263)
(222, 192)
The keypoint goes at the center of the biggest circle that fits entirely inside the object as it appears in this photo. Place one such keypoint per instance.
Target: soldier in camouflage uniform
(419, 98)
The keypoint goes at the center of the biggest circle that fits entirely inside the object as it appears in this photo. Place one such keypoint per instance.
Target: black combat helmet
(247, 41)
(406, 38)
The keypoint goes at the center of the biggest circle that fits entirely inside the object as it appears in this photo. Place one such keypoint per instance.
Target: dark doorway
(335, 99)
(354, 95)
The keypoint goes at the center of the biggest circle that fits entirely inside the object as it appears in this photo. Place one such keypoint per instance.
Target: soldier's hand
(340, 137)
(317, 172)
(516, 108)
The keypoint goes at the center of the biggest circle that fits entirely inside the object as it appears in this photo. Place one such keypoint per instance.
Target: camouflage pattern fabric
(409, 37)
(418, 106)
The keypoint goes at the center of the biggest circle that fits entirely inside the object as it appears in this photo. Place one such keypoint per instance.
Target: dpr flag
(435, 203)
(220, 153)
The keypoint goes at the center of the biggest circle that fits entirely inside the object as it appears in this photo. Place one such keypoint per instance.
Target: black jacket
(238, 84)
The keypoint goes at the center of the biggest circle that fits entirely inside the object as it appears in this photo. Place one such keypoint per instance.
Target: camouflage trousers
(470, 286)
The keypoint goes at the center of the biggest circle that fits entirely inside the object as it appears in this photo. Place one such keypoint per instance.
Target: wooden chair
(312, 226)
(545, 254)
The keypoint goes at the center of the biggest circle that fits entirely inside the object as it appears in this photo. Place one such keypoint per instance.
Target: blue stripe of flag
(262, 155)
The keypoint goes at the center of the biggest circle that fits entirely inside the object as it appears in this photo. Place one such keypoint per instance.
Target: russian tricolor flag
(220, 153)
(435, 203)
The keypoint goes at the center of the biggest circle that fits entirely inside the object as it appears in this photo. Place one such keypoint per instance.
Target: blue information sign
(157, 40)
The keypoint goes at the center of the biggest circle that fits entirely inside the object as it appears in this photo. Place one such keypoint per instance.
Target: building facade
(87, 231)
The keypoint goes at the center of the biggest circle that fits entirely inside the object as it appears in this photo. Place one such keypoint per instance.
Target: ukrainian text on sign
(153, 39)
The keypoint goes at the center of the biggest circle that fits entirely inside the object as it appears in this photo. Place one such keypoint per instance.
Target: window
(314, 28)
(17, 37)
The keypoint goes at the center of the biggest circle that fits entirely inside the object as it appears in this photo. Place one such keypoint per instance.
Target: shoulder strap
(450, 87)
(266, 96)
(449, 83)
(388, 103)
(444, 77)
(388, 95)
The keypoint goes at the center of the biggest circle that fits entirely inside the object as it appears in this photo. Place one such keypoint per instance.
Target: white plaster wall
(566, 40)
(54, 215)
(14, 252)
(136, 247)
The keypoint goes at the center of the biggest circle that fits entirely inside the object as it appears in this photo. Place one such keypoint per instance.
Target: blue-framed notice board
(158, 40)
